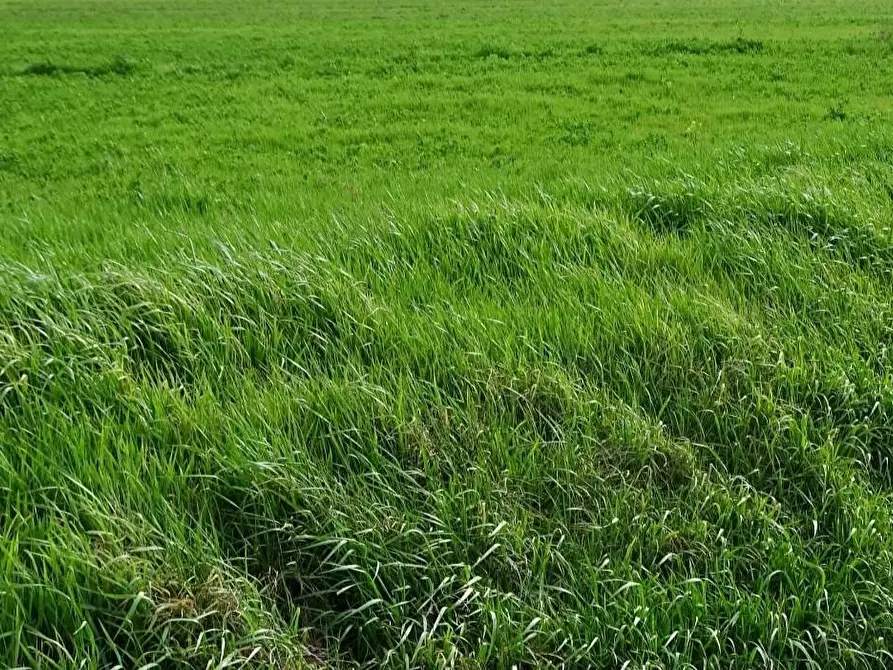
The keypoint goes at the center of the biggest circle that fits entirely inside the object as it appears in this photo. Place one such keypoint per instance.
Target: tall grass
(513, 433)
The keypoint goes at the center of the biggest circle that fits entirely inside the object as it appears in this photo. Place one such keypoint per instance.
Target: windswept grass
(488, 336)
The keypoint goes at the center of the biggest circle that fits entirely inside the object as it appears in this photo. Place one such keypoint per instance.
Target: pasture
(458, 334)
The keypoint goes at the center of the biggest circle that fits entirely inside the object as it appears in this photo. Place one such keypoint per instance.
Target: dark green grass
(415, 335)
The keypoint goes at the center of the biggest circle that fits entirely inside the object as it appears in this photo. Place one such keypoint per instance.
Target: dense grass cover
(444, 334)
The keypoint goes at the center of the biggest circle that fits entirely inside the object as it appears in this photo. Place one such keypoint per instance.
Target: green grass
(446, 334)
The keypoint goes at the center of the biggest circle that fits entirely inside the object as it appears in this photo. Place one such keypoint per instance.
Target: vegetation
(454, 334)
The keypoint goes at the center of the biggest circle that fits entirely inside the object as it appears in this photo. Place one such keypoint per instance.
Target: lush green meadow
(446, 334)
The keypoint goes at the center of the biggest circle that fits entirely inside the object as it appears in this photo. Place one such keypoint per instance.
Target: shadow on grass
(118, 66)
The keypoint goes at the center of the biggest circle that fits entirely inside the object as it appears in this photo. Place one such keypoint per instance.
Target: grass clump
(495, 51)
(696, 47)
(119, 66)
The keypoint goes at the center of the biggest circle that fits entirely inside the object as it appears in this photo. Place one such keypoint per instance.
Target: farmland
(453, 334)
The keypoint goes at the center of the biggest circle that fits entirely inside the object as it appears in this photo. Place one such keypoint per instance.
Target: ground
(446, 334)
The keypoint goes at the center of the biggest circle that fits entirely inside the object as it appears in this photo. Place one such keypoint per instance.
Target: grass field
(446, 334)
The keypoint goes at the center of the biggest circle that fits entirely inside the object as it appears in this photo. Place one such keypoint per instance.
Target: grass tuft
(699, 47)
(118, 66)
